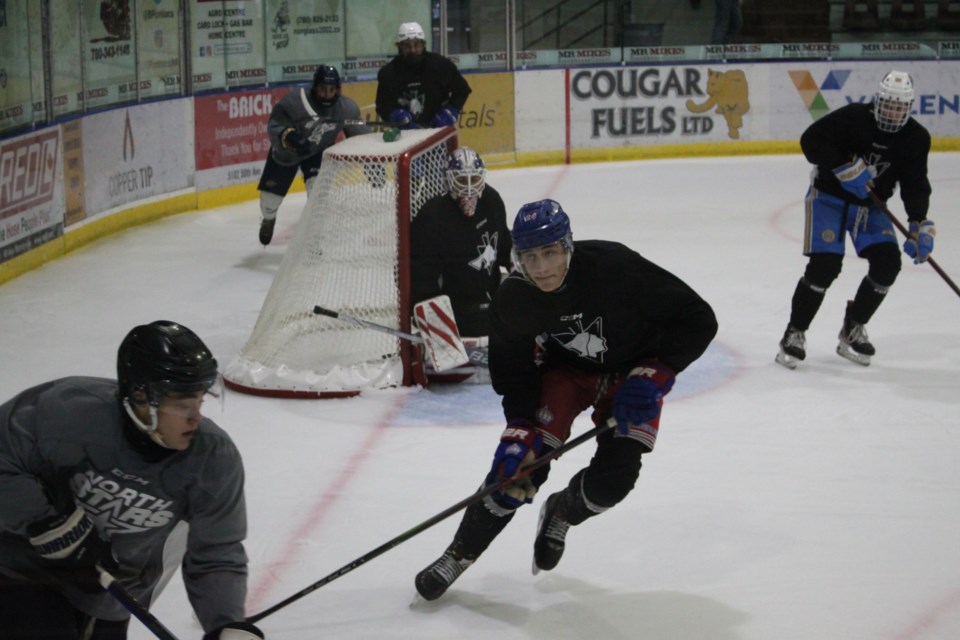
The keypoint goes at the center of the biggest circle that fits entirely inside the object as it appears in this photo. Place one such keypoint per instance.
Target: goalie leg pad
(444, 347)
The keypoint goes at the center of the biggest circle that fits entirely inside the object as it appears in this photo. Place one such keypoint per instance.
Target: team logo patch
(828, 235)
(544, 416)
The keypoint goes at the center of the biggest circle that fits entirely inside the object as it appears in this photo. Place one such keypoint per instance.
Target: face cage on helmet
(891, 113)
(466, 183)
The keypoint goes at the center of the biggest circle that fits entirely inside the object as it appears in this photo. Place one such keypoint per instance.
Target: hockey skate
(266, 230)
(434, 581)
(793, 348)
(854, 343)
(551, 535)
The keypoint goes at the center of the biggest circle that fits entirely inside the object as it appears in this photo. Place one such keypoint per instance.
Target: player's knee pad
(822, 269)
(269, 204)
(885, 264)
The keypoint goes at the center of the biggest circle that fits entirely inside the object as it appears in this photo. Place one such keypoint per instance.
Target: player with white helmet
(127, 476)
(585, 325)
(861, 152)
(419, 88)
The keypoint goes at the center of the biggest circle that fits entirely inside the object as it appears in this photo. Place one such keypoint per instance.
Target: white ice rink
(821, 503)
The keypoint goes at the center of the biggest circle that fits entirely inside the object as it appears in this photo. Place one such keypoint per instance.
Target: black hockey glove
(72, 549)
(235, 631)
(293, 139)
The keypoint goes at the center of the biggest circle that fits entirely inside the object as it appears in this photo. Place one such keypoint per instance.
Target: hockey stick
(130, 603)
(480, 360)
(899, 225)
(443, 515)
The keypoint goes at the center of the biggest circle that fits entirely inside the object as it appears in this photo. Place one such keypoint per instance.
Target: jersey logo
(486, 259)
(118, 507)
(412, 99)
(585, 341)
(875, 161)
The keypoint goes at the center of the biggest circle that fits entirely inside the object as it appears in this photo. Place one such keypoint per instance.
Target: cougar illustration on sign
(728, 92)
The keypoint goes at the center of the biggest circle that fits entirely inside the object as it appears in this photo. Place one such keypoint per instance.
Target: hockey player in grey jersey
(127, 476)
(305, 122)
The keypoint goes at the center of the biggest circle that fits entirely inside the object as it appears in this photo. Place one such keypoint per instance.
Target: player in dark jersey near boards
(419, 88)
(304, 123)
(859, 149)
(128, 476)
(578, 325)
(460, 242)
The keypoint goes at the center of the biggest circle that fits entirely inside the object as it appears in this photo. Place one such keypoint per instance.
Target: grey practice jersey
(300, 110)
(70, 441)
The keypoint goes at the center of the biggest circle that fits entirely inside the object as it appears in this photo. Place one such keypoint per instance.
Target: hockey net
(350, 253)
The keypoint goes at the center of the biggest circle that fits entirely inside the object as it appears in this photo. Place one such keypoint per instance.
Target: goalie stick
(130, 603)
(443, 515)
(899, 225)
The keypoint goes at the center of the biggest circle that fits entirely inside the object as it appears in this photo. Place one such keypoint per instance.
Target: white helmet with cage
(466, 178)
(410, 31)
(893, 102)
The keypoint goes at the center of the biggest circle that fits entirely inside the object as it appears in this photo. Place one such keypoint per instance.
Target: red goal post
(350, 253)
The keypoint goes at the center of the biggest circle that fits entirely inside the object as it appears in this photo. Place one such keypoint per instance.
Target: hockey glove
(638, 399)
(402, 118)
(235, 631)
(855, 177)
(520, 444)
(294, 140)
(72, 549)
(447, 117)
(919, 244)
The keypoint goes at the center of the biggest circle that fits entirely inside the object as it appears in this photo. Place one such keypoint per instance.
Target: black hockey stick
(381, 124)
(130, 603)
(477, 356)
(899, 225)
(443, 515)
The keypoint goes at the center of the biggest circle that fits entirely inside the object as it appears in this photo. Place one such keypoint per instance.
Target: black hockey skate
(551, 535)
(793, 348)
(854, 343)
(266, 230)
(434, 581)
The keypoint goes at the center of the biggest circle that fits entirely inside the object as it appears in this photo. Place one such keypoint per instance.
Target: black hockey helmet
(164, 357)
(326, 75)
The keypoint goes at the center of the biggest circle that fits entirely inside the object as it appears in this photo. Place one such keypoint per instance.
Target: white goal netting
(350, 253)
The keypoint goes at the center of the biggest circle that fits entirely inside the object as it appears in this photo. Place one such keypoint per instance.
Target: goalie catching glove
(520, 444)
(919, 244)
(638, 400)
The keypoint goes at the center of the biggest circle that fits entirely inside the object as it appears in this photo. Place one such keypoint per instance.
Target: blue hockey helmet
(541, 223)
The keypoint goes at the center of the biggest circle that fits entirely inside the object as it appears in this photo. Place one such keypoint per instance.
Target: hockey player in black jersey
(419, 88)
(460, 242)
(859, 149)
(126, 475)
(304, 123)
(579, 325)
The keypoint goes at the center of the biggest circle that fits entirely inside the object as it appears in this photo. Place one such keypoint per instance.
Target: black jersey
(461, 257)
(614, 309)
(899, 157)
(422, 89)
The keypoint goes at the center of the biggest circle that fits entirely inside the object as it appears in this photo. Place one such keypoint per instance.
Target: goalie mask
(893, 102)
(326, 76)
(542, 244)
(466, 178)
(161, 359)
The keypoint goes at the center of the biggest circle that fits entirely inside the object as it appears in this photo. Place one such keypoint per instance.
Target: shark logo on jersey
(119, 508)
(875, 166)
(487, 250)
(586, 341)
(412, 99)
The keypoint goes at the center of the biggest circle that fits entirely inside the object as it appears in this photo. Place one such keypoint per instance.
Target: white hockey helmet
(893, 102)
(410, 31)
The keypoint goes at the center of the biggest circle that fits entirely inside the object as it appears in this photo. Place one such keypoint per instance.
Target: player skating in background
(579, 325)
(127, 475)
(419, 88)
(302, 124)
(857, 149)
(460, 247)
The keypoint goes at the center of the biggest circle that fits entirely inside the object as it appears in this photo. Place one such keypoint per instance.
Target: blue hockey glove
(235, 631)
(293, 139)
(638, 399)
(72, 549)
(919, 245)
(855, 177)
(447, 117)
(402, 118)
(520, 444)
